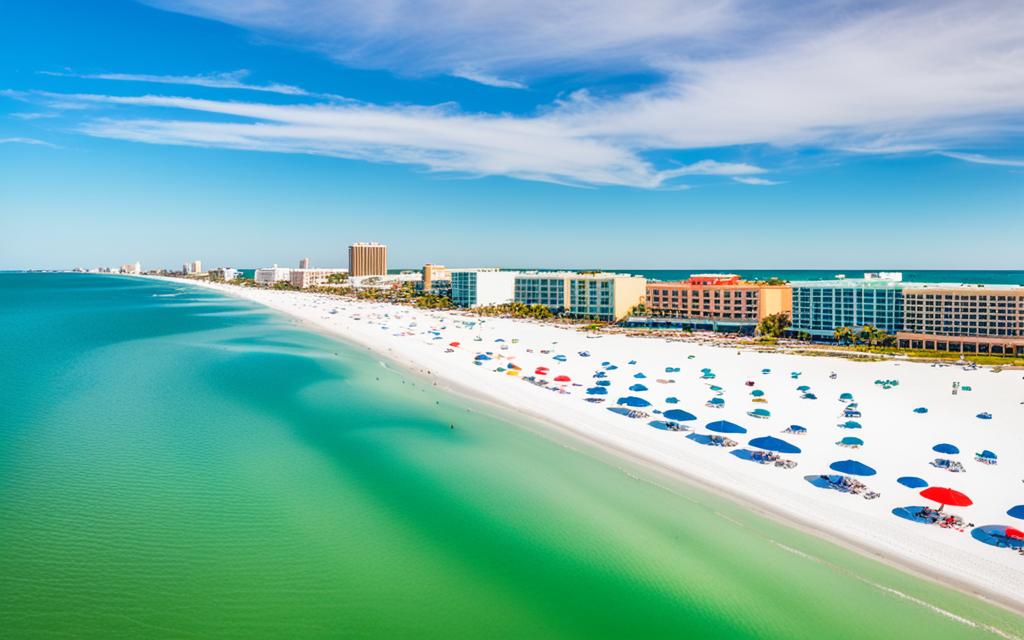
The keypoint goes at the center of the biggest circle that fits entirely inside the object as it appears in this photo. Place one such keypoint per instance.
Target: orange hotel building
(716, 301)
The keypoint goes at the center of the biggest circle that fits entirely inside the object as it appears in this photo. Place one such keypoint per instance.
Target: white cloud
(33, 141)
(758, 182)
(225, 80)
(978, 158)
(487, 79)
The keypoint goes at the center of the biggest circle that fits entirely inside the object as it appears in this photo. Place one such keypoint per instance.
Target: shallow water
(191, 466)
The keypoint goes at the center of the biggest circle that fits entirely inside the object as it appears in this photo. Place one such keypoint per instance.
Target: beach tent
(633, 401)
(597, 391)
(999, 535)
(853, 468)
(757, 393)
(563, 379)
(679, 415)
(637, 387)
(672, 400)
(759, 413)
(921, 410)
(603, 383)
(846, 396)
(850, 424)
(946, 496)
(724, 426)
(1016, 512)
(912, 482)
(851, 441)
(771, 443)
(945, 447)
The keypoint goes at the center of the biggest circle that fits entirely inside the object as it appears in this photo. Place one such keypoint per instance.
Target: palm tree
(844, 335)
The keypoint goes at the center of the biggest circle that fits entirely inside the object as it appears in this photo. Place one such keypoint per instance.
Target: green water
(192, 466)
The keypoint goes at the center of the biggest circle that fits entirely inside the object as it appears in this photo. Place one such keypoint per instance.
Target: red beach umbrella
(453, 344)
(541, 371)
(1016, 534)
(946, 496)
(562, 379)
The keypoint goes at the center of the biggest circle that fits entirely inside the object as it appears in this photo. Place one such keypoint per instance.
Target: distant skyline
(653, 135)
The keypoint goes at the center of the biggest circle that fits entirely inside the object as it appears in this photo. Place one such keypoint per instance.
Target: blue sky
(667, 134)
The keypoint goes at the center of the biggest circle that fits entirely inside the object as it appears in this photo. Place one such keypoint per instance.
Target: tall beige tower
(367, 259)
(304, 263)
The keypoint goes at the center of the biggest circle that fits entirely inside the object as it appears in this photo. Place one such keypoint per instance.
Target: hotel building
(822, 306)
(271, 275)
(482, 287)
(436, 279)
(367, 259)
(964, 318)
(585, 294)
(304, 278)
(224, 274)
(716, 301)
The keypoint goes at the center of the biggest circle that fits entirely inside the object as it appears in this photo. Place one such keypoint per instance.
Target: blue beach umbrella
(639, 375)
(679, 415)
(795, 428)
(771, 443)
(945, 447)
(912, 482)
(603, 383)
(715, 387)
(724, 426)
(560, 358)
(996, 535)
(921, 410)
(851, 441)
(803, 387)
(716, 402)
(482, 356)
(984, 415)
(766, 371)
(637, 387)
(850, 424)
(672, 400)
(611, 367)
(757, 393)
(1016, 512)
(846, 396)
(600, 374)
(759, 413)
(987, 455)
(633, 401)
(597, 391)
(852, 467)
(706, 370)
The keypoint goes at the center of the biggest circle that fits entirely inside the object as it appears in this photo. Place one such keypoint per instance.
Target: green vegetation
(773, 326)
(430, 301)
(337, 278)
(517, 310)
(868, 335)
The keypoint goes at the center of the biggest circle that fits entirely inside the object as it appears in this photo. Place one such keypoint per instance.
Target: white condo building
(482, 287)
(270, 275)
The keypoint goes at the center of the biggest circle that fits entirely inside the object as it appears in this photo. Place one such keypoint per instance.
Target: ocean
(175, 463)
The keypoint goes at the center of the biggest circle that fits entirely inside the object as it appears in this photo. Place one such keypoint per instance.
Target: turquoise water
(178, 464)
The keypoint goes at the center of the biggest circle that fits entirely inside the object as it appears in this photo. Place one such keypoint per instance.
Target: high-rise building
(132, 268)
(197, 267)
(304, 263)
(367, 259)
(482, 287)
(717, 301)
(436, 277)
(964, 318)
(822, 306)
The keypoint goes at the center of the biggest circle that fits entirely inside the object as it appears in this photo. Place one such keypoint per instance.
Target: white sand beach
(898, 441)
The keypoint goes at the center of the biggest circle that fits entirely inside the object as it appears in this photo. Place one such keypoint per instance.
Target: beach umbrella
(597, 391)
(512, 365)
(632, 362)
(600, 374)
(705, 370)
(985, 415)
(482, 356)
(560, 358)
(846, 396)
(1014, 533)
(1016, 512)
(771, 443)
(809, 396)
(759, 413)
(679, 415)
(851, 441)
(795, 428)
(921, 410)
(715, 387)
(912, 482)
(633, 401)
(453, 344)
(639, 375)
(803, 387)
(603, 383)
(672, 400)
(987, 455)
(766, 371)
(852, 467)
(540, 371)
(562, 379)
(611, 367)
(945, 447)
(757, 393)
(637, 387)
(716, 401)
(999, 535)
(605, 363)
(850, 424)
(724, 426)
(946, 496)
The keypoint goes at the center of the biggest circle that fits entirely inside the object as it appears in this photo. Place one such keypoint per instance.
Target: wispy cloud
(224, 80)
(33, 141)
(487, 79)
(758, 182)
(978, 158)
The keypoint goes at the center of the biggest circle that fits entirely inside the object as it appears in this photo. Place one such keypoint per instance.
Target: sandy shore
(897, 441)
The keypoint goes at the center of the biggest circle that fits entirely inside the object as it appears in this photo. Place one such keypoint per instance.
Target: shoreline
(570, 434)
